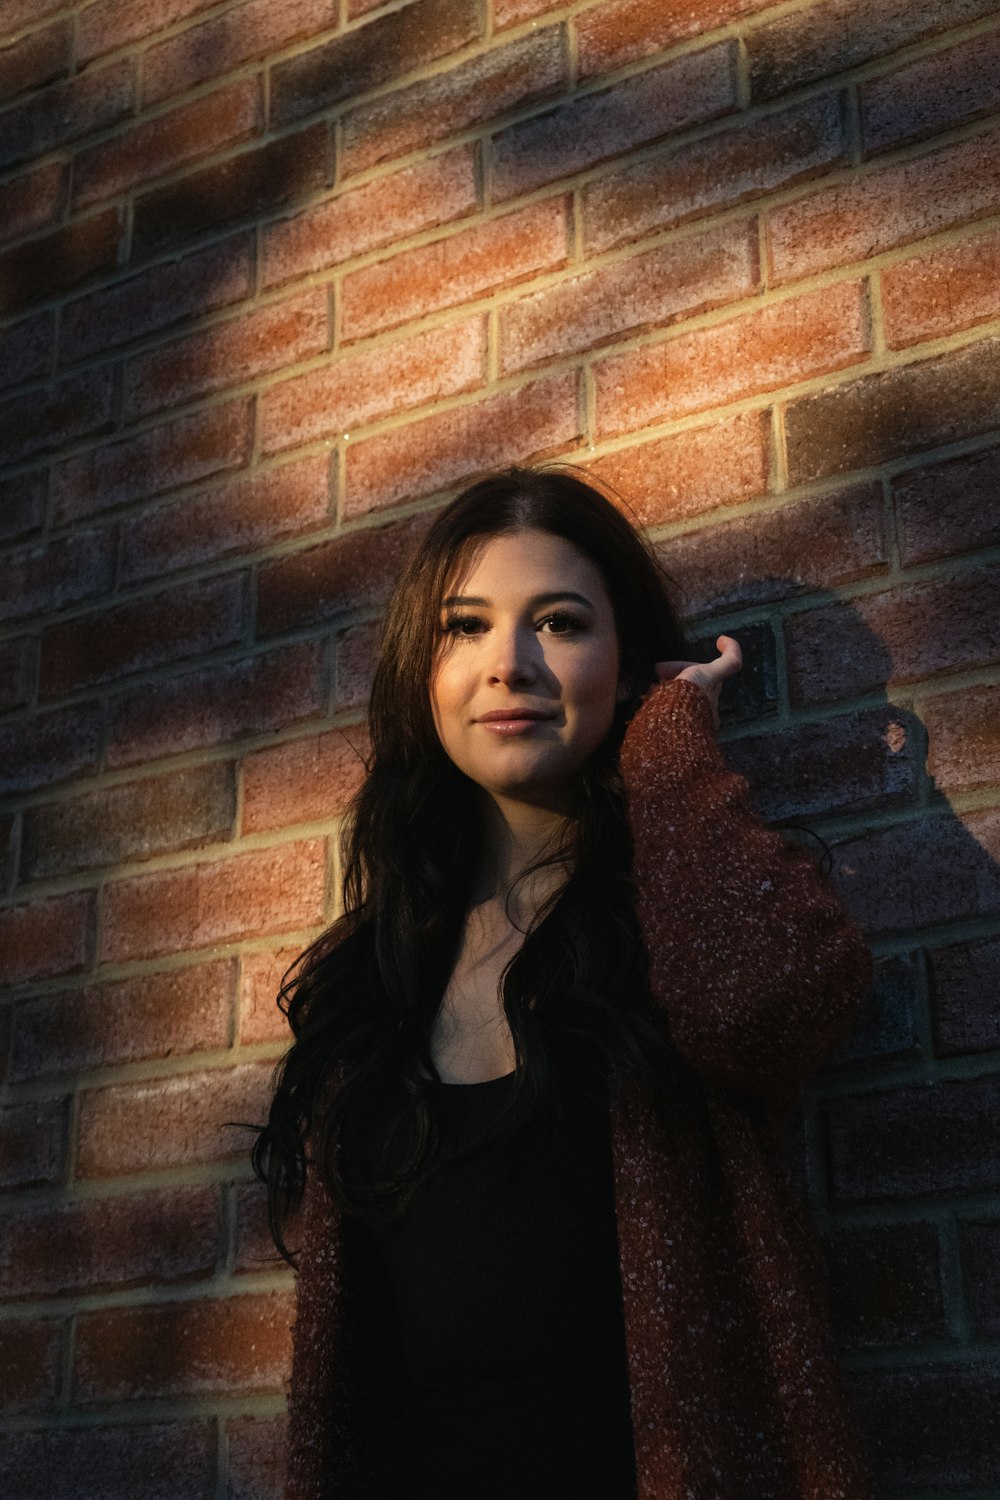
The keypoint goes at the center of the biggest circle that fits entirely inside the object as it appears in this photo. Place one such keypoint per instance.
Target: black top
(505, 1276)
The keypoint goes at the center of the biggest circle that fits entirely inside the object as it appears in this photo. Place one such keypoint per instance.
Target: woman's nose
(514, 656)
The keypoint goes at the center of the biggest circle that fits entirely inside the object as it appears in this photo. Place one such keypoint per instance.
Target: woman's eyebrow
(534, 603)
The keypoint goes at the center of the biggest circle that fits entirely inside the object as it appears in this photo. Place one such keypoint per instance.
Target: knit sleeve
(346, 1363)
(751, 954)
(314, 1386)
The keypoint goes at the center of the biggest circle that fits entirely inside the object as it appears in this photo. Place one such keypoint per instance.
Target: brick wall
(275, 279)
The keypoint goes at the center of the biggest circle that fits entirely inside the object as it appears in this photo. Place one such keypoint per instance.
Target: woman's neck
(514, 836)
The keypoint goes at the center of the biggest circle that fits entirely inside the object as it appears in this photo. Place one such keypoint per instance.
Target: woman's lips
(513, 721)
(511, 726)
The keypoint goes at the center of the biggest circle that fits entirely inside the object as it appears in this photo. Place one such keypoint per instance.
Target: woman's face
(526, 676)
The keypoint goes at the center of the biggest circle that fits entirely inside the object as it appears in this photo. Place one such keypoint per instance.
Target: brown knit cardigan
(735, 1394)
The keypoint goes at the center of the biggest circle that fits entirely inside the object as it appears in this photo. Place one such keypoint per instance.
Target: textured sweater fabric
(735, 1392)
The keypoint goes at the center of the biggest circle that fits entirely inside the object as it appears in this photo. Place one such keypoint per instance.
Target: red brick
(905, 634)
(981, 1256)
(886, 1025)
(190, 287)
(129, 1240)
(511, 12)
(50, 747)
(856, 761)
(963, 731)
(220, 901)
(785, 53)
(944, 292)
(623, 31)
(147, 150)
(162, 458)
(255, 181)
(171, 1122)
(254, 1249)
(213, 705)
(774, 554)
(688, 473)
(931, 95)
(260, 979)
(256, 1458)
(52, 575)
(33, 200)
(880, 417)
(30, 1358)
(343, 574)
(594, 127)
(124, 1020)
(948, 508)
(965, 980)
(356, 388)
(254, 343)
(243, 515)
(20, 13)
(41, 939)
(17, 660)
(506, 77)
(26, 349)
(55, 416)
(918, 1139)
(65, 112)
(662, 286)
(528, 423)
(355, 663)
(22, 505)
(752, 695)
(184, 621)
(457, 269)
(159, 1461)
(108, 24)
(386, 48)
(304, 781)
(759, 351)
(186, 1349)
(35, 59)
(35, 269)
(32, 1143)
(729, 167)
(8, 850)
(132, 820)
(885, 1285)
(357, 8)
(922, 874)
(325, 235)
(255, 31)
(888, 206)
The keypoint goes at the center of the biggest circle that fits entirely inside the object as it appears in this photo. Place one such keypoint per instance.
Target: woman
(547, 1247)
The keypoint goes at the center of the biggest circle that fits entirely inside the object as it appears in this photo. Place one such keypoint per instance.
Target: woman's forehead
(522, 563)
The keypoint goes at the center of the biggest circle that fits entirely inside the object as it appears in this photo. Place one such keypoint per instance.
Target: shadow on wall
(902, 1121)
(872, 1161)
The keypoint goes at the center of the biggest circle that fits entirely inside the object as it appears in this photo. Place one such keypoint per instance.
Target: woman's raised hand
(709, 676)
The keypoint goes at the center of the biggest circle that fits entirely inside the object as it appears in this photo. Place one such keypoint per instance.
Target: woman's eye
(559, 622)
(562, 623)
(462, 625)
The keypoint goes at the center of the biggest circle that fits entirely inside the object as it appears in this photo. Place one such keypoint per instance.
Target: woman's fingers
(728, 662)
(665, 670)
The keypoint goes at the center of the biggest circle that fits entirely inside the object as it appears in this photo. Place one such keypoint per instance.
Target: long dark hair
(361, 1000)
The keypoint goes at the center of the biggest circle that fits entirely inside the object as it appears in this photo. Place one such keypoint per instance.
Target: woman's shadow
(896, 1144)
